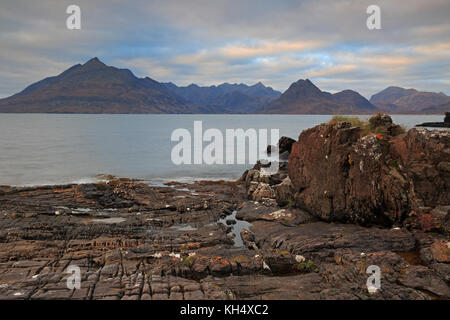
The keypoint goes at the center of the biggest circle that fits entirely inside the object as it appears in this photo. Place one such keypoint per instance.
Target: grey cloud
(153, 37)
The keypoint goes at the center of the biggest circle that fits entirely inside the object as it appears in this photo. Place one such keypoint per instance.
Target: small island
(445, 124)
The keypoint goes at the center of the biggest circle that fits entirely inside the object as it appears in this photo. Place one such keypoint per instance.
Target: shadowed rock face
(379, 179)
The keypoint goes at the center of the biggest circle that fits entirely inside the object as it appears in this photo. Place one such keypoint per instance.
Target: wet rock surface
(133, 241)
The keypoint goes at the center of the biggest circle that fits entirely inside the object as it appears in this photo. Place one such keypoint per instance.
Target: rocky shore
(347, 197)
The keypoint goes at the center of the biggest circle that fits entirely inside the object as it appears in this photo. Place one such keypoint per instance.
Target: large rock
(338, 175)
(284, 145)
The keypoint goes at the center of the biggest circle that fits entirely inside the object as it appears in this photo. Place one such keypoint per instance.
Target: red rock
(338, 176)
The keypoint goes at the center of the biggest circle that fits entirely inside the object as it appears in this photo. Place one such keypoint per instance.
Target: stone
(339, 176)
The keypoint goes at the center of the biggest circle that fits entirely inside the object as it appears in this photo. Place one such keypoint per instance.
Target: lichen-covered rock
(283, 192)
(338, 175)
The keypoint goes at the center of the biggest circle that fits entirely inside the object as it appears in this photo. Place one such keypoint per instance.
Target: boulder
(284, 144)
(283, 192)
(337, 175)
(380, 120)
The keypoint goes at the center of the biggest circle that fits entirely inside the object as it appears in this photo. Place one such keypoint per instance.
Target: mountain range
(94, 87)
(303, 97)
(400, 100)
(239, 98)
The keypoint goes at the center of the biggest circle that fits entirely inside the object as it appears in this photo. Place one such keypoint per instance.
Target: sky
(209, 42)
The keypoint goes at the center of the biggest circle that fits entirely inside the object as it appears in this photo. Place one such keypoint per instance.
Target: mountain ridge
(94, 87)
(401, 100)
(232, 97)
(303, 97)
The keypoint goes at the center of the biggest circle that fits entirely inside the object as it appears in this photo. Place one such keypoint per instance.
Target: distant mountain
(439, 109)
(230, 97)
(96, 88)
(303, 97)
(400, 100)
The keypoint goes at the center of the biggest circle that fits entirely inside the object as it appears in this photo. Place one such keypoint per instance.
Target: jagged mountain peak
(94, 63)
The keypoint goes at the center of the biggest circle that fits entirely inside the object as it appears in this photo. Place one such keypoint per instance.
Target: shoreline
(309, 231)
(134, 241)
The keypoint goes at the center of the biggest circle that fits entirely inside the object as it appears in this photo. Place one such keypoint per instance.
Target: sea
(48, 149)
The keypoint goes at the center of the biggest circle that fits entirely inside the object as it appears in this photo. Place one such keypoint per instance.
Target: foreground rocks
(374, 175)
(201, 241)
(343, 202)
(377, 179)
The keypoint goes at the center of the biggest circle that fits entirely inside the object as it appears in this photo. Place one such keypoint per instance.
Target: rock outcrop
(376, 179)
(375, 174)
(258, 238)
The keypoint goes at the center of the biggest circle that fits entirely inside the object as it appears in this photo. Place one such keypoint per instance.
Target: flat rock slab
(132, 241)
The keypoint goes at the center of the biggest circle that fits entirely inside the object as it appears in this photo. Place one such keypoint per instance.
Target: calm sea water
(39, 149)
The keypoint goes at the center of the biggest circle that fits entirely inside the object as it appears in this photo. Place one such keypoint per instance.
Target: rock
(247, 237)
(422, 278)
(281, 264)
(284, 145)
(441, 218)
(271, 148)
(230, 222)
(168, 252)
(380, 120)
(284, 155)
(261, 191)
(440, 251)
(338, 176)
(283, 192)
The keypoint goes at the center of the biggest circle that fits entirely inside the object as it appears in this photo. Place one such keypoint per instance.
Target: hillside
(239, 98)
(95, 88)
(303, 97)
(400, 100)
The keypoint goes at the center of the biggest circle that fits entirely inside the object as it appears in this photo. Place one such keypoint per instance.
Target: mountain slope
(438, 109)
(227, 97)
(396, 99)
(303, 97)
(95, 88)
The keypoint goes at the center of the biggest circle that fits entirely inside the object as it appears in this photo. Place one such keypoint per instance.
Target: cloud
(267, 49)
(208, 42)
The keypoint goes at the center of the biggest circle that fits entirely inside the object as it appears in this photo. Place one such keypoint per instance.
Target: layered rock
(133, 241)
(338, 175)
(375, 174)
